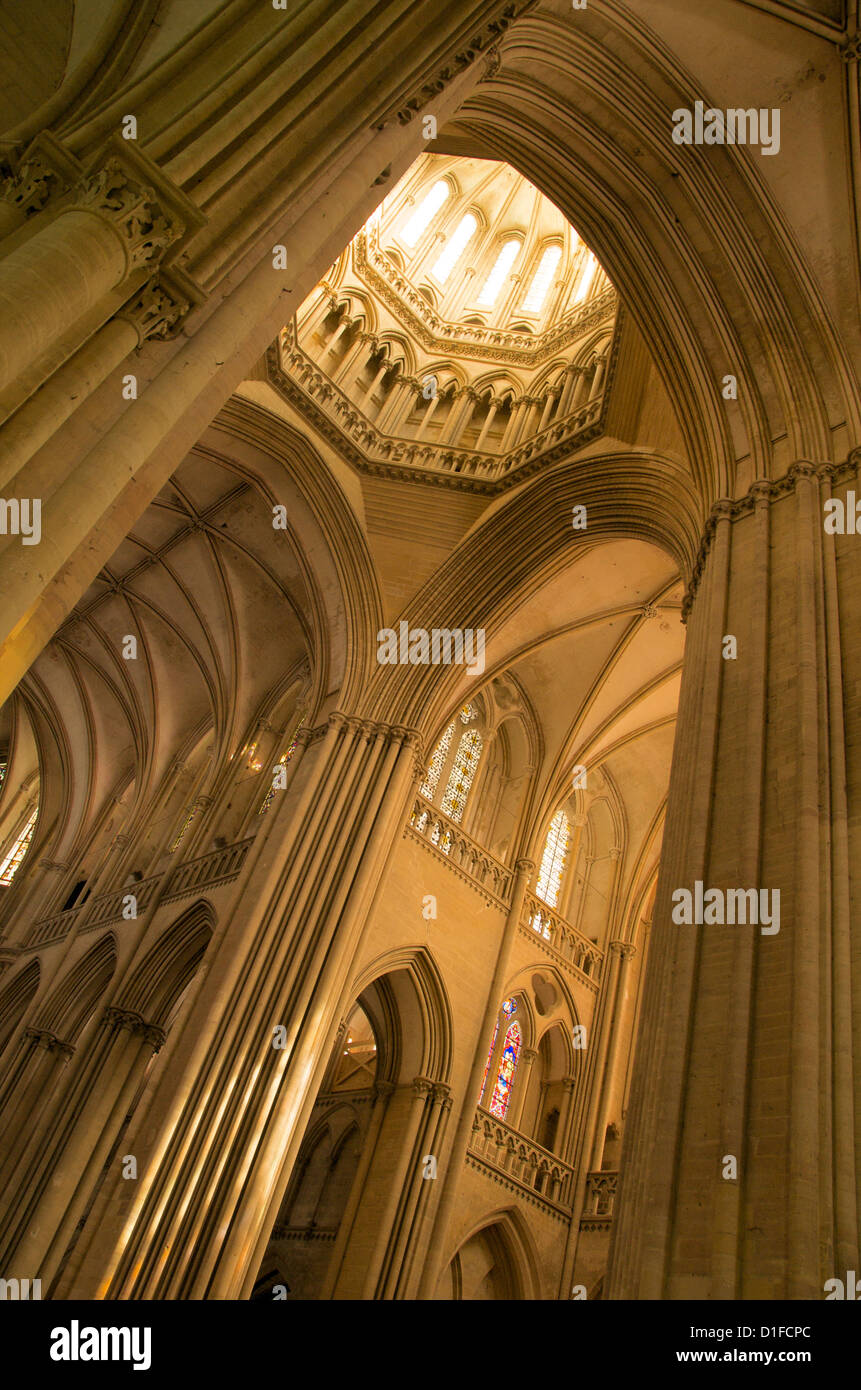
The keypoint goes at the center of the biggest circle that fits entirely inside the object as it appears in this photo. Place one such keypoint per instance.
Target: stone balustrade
(574, 948)
(218, 866)
(599, 1201)
(312, 391)
(429, 825)
(520, 1159)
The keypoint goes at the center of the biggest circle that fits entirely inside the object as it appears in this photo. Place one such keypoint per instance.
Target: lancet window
(11, 861)
(455, 247)
(554, 859)
(425, 212)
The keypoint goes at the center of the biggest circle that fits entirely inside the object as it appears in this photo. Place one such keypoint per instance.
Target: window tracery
(553, 860)
(462, 774)
(501, 1097)
(17, 850)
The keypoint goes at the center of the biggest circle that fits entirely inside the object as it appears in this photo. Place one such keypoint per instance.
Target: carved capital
(31, 185)
(154, 311)
(44, 170)
(136, 212)
(442, 1095)
(42, 1037)
(128, 1020)
(422, 1086)
(626, 949)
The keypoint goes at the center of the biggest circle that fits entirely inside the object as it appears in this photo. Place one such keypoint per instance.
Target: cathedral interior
(330, 976)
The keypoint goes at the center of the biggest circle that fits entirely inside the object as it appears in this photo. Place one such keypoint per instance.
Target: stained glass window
(462, 773)
(505, 1076)
(487, 1063)
(509, 1007)
(454, 248)
(429, 785)
(553, 859)
(282, 762)
(541, 280)
(20, 845)
(501, 267)
(425, 212)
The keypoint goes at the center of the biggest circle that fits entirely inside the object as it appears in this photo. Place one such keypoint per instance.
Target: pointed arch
(170, 965)
(15, 998)
(72, 1002)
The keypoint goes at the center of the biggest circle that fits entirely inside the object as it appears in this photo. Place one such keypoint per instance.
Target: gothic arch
(511, 1244)
(169, 965)
(495, 569)
(405, 998)
(74, 998)
(15, 997)
(571, 129)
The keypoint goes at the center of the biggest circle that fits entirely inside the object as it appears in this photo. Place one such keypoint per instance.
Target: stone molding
(127, 1019)
(762, 492)
(43, 1037)
(444, 465)
(44, 171)
(159, 308)
(483, 42)
(437, 336)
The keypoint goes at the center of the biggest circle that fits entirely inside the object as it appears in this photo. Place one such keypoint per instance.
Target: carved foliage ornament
(134, 211)
(480, 43)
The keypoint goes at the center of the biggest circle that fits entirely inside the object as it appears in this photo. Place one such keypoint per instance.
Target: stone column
(521, 1085)
(112, 225)
(569, 1086)
(626, 952)
(748, 1045)
(489, 418)
(572, 380)
(381, 371)
(37, 1067)
(598, 378)
(44, 1211)
(513, 426)
(425, 420)
(152, 312)
(460, 412)
(223, 1129)
(350, 358)
(393, 413)
(548, 407)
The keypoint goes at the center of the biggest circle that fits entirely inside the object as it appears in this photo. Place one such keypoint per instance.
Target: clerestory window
(425, 212)
(455, 247)
(537, 293)
(501, 267)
